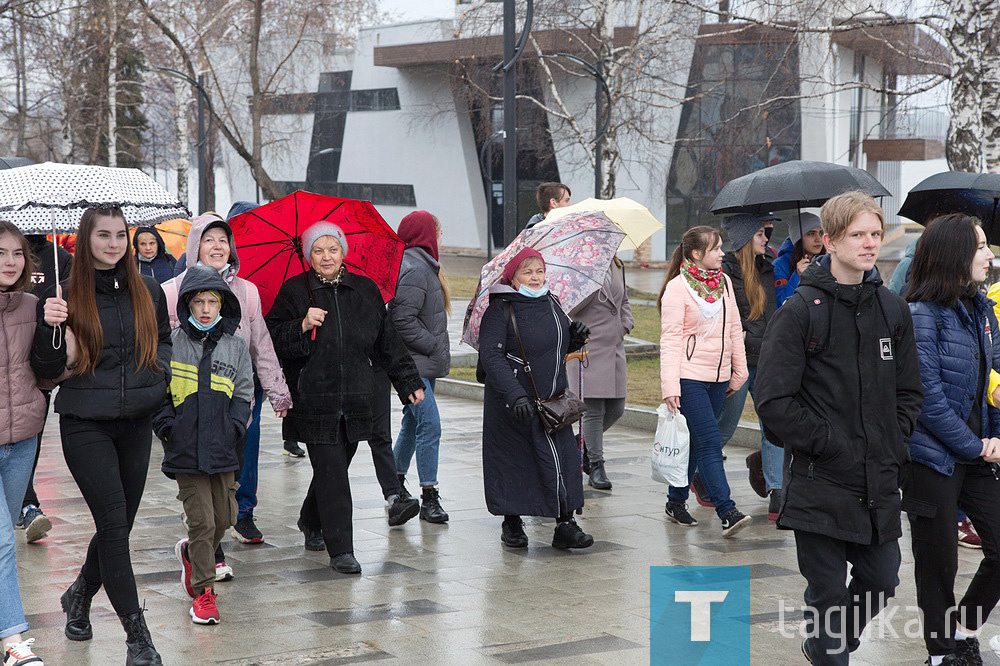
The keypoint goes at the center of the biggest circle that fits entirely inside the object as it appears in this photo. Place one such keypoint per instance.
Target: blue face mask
(222, 271)
(204, 327)
(533, 293)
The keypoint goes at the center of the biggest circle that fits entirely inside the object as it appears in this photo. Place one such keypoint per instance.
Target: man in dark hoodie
(151, 254)
(838, 383)
(35, 523)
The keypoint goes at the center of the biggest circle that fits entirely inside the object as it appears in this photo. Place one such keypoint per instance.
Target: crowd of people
(861, 394)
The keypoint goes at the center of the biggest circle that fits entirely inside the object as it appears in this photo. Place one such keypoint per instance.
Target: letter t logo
(701, 610)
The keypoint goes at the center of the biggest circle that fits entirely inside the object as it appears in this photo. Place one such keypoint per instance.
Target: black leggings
(109, 461)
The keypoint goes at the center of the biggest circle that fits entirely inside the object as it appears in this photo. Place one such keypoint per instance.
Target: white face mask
(533, 293)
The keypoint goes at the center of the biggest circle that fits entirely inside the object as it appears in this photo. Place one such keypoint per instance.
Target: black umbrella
(794, 184)
(975, 194)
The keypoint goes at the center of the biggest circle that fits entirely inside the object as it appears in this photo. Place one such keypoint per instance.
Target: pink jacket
(691, 348)
(22, 406)
(252, 327)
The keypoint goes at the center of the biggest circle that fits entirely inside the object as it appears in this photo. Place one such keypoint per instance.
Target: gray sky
(413, 10)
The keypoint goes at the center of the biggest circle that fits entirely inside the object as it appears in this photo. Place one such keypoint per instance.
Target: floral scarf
(708, 285)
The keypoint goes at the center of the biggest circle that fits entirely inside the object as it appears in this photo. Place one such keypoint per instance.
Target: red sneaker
(967, 536)
(181, 551)
(203, 609)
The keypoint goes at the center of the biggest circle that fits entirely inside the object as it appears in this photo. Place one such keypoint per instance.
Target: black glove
(523, 409)
(579, 331)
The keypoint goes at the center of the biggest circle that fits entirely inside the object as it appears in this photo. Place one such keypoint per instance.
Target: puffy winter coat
(204, 418)
(753, 330)
(22, 406)
(418, 313)
(331, 376)
(692, 347)
(252, 327)
(44, 275)
(117, 388)
(786, 278)
(843, 411)
(949, 344)
(161, 266)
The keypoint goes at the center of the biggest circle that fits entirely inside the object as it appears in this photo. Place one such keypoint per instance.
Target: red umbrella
(269, 241)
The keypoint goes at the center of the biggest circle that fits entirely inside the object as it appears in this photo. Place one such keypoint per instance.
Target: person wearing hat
(805, 241)
(330, 327)
(211, 243)
(748, 265)
(526, 471)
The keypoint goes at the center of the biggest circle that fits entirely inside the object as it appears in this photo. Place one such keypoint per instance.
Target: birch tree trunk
(112, 85)
(964, 146)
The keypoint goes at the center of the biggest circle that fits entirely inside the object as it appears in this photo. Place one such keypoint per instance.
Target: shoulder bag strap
(524, 357)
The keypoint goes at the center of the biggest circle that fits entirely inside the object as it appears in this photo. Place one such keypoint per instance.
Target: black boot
(598, 479)
(76, 604)
(404, 494)
(138, 641)
(430, 509)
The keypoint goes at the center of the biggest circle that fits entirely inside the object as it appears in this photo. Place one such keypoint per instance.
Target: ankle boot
(404, 494)
(430, 509)
(138, 641)
(76, 604)
(598, 479)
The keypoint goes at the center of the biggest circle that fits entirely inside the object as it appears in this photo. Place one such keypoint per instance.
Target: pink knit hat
(515, 263)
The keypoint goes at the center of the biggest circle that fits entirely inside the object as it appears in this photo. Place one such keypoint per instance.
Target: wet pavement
(443, 594)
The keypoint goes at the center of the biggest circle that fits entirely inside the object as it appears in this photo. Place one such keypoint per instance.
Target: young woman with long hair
(119, 320)
(954, 447)
(22, 413)
(805, 241)
(702, 360)
(751, 273)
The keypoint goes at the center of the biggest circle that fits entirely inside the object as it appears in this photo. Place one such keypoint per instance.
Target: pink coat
(692, 348)
(22, 406)
(252, 327)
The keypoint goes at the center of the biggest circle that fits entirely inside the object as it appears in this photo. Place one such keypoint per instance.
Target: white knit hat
(320, 229)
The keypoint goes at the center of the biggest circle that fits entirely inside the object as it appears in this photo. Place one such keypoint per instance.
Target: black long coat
(526, 472)
(331, 377)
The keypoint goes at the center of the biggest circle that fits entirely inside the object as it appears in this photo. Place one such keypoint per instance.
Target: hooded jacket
(901, 275)
(252, 327)
(117, 388)
(844, 414)
(44, 275)
(418, 309)
(950, 342)
(786, 278)
(22, 406)
(753, 331)
(161, 266)
(205, 416)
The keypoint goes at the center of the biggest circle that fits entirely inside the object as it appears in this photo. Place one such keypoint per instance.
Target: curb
(747, 435)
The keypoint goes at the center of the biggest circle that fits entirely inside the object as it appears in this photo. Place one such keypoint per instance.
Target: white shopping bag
(669, 461)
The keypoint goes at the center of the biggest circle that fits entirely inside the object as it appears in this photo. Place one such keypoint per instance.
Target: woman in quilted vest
(22, 412)
(702, 361)
(954, 447)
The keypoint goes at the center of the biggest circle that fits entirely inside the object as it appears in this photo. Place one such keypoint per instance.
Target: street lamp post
(204, 103)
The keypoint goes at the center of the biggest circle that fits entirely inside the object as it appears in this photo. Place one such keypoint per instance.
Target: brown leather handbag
(559, 411)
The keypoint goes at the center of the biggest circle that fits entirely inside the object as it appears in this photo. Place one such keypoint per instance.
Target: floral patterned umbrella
(577, 249)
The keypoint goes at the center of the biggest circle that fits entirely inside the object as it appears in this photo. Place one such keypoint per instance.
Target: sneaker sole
(736, 527)
(224, 578)
(563, 546)
(242, 539)
(38, 529)
(969, 545)
(407, 515)
(674, 520)
(198, 620)
(293, 455)
(179, 554)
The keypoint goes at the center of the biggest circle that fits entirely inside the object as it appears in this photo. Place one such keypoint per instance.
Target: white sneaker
(20, 654)
(223, 572)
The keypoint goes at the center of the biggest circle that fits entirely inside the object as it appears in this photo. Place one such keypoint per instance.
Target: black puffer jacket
(753, 330)
(118, 388)
(419, 315)
(44, 275)
(331, 377)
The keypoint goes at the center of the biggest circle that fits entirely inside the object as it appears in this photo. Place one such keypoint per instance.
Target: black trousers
(836, 614)
(327, 505)
(109, 461)
(30, 497)
(381, 440)
(932, 501)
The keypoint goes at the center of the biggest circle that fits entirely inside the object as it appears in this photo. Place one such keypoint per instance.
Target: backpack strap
(819, 305)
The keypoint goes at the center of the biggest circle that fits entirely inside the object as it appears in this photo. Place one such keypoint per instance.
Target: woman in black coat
(328, 366)
(527, 471)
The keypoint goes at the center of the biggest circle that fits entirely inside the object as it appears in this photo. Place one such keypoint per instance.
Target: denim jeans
(15, 468)
(772, 456)
(700, 405)
(420, 432)
(246, 495)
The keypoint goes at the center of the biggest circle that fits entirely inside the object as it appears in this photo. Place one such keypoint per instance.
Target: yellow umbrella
(631, 217)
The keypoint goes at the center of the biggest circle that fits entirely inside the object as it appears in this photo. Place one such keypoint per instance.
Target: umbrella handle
(313, 336)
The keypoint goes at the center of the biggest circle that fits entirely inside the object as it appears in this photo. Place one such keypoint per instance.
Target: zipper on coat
(121, 342)
(559, 353)
(809, 472)
(10, 394)
(722, 352)
(340, 350)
